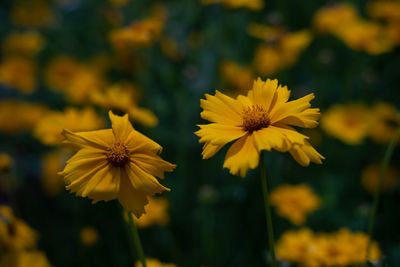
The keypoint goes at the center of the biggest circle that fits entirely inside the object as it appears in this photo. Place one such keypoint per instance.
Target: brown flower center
(117, 154)
(255, 118)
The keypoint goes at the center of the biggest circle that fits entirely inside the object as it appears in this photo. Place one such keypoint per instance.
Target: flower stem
(136, 240)
(382, 173)
(267, 206)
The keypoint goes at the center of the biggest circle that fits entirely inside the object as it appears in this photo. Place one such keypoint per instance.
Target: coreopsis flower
(155, 263)
(18, 73)
(28, 258)
(341, 248)
(123, 98)
(387, 10)
(118, 163)
(60, 71)
(236, 76)
(25, 115)
(349, 123)
(156, 213)
(370, 176)
(249, 4)
(386, 120)
(50, 127)
(35, 13)
(23, 43)
(15, 234)
(262, 120)
(294, 202)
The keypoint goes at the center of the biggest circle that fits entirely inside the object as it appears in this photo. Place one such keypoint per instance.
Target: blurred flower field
(120, 117)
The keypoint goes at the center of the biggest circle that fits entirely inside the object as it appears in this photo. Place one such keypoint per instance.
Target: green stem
(382, 173)
(136, 240)
(267, 206)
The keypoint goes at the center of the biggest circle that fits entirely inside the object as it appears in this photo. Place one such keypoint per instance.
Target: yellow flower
(140, 33)
(15, 234)
(237, 76)
(34, 13)
(299, 247)
(83, 84)
(49, 129)
(294, 202)
(123, 98)
(349, 123)
(340, 248)
(31, 258)
(262, 120)
(250, 4)
(5, 162)
(52, 162)
(18, 73)
(24, 115)
(281, 50)
(156, 213)
(60, 71)
(386, 120)
(155, 263)
(118, 163)
(370, 176)
(23, 43)
(88, 236)
(357, 33)
(389, 10)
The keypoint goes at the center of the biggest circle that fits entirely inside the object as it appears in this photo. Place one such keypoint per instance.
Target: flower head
(262, 120)
(294, 202)
(118, 163)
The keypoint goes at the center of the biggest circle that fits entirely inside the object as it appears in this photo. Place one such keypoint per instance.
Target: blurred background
(65, 63)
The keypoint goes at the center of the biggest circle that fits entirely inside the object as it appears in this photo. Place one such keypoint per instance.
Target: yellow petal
(221, 109)
(131, 200)
(108, 186)
(143, 181)
(307, 118)
(263, 93)
(152, 164)
(78, 180)
(270, 138)
(219, 134)
(304, 154)
(121, 126)
(281, 97)
(291, 108)
(100, 139)
(209, 150)
(241, 156)
(139, 143)
(84, 159)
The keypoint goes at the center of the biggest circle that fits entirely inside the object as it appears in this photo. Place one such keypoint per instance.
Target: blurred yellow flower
(370, 176)
(31, 258)
(388, 10)
(33, 13)
(52, 162)
(23, 43)
(341, 248)
(49, 129)
(5, 162)
(240, 78)
(60, 71)
(359, 34)
(250, 4)
(15, 234)
(18, 73)
(123, 98)
(140, 33)
(262, 120)
(24, 115)
(84, 83)
(156, 213)
(88, 236)
(350, 123)
(281, 49)
(385, 120)
(294, 202)
(118, 163)
(155, 263)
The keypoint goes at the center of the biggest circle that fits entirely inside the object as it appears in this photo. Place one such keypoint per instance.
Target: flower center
(117, 154)
(255, 118)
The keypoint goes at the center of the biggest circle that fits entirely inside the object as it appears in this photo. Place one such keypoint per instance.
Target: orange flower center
(255, 118)
(117, 154)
